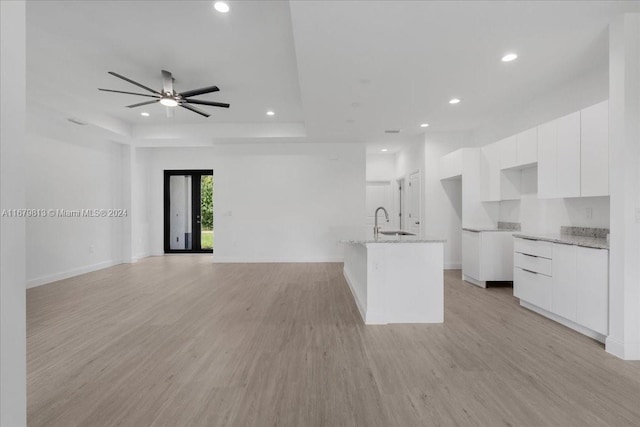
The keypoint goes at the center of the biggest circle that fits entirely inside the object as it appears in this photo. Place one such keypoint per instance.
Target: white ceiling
(331, 70)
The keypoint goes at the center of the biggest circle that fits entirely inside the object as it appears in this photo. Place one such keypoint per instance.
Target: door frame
(195, 201)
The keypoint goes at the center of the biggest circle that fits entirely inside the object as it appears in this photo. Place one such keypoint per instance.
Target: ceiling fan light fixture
(169, 102)
(221, 6)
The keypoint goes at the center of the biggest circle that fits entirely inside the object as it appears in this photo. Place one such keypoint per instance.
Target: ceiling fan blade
(170, 111)
(134, 83)
(202, 91)
(128, 93)
(142, 103)
(167, 82)
(210, 103)
(194, 109)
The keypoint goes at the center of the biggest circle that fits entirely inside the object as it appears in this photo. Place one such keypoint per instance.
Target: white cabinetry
(508, 149)
(563, 291)
(451, 165)
(594, 152)
(490, 173)
(487, 256)
(569, 284)
(527, 142)
(568, 155)
(573, 154)
(592, 283)
(547, 160)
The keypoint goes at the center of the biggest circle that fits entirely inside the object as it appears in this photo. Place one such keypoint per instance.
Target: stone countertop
(367, 238)
(568, 239)
(477, 230)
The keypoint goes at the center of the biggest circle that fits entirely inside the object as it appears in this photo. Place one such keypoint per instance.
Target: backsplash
(503, 225)
(598, 233)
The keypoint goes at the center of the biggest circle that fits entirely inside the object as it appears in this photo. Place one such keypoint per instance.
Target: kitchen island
(396, 279)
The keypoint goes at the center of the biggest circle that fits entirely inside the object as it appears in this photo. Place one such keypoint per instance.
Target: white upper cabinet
(568, 155)
(451, 165)
(490, 173)
(508, 149)
(594, 156)
(547, 160)
(527, 146)
(573, 154)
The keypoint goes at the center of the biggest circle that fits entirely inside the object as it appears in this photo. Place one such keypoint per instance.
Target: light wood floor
(179, 341)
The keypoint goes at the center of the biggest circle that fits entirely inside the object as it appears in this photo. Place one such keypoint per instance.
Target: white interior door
(413, 203)
(380, 193)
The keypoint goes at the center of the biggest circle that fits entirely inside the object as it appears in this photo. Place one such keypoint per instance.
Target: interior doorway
(413, 203)
(188, 211)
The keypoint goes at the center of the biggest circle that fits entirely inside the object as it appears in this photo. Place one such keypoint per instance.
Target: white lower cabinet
(592, 278)
(564, 289)
(487, 256)
(570, 283)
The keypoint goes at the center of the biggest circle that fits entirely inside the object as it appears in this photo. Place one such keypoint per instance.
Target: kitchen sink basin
(397, 233)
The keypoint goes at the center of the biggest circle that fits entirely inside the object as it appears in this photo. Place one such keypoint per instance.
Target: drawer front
(533, 263)
(532, 287)
(534, 247)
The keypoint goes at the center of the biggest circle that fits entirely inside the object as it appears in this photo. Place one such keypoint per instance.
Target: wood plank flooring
(179, 341)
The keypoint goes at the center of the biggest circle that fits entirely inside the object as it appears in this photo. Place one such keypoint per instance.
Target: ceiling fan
(169, 97)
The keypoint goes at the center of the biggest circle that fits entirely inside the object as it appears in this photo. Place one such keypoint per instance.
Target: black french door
(188, 211)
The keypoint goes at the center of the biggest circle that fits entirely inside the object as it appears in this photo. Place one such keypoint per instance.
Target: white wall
(13, 390)
(140, 203)
(72, 175)
(546, 216)
(382, 190)
(441, 213)
(273, 202)
(588, 89)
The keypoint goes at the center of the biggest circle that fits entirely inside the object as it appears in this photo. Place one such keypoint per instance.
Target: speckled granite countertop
(502, 226)
(477, 230)
(568, 239)
(368, 238)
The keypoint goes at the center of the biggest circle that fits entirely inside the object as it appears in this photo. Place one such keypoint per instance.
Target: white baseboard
(361, 307)
(625, 351)
(43, 280)
(223, 259)
(566, 322)
(453, 266)
(473, 281)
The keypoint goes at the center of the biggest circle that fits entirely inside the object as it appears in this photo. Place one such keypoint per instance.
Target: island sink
(397, 233)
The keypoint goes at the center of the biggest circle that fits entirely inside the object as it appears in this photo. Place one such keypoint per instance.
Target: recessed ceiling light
(221, 6)
(424, 125)
(384, 150)
(144, 114)
(509, 57)
(271, 113)
(454, 101)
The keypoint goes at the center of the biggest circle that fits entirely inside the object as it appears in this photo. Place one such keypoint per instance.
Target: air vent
(76, 121)
(392, 131)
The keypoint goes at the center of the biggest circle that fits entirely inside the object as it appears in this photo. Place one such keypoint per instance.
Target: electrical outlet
(588, 213)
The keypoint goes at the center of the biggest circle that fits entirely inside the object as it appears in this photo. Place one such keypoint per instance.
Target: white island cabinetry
(396, 280)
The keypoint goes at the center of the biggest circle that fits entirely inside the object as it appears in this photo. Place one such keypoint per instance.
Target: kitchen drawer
(534, 247)
(532, 287)
(533, 263)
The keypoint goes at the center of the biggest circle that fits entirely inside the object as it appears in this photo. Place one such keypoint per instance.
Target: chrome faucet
(376, 228)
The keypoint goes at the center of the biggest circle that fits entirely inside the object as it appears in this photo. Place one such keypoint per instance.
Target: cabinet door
(490, 173)
(568, 155)
(564, 289)
(593, 289)
(527, 142)
(471, 254)
(594, 168)
(508, 149)
(547, 163)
